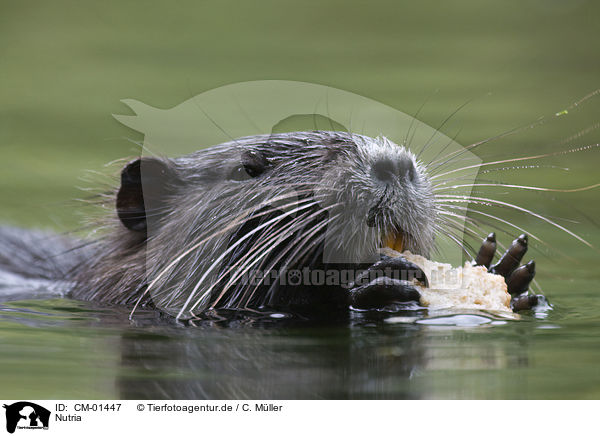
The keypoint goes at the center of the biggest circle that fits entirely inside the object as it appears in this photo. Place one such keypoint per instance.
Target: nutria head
(190, 227)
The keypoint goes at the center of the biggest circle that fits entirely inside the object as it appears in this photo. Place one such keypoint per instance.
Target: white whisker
(458, 198)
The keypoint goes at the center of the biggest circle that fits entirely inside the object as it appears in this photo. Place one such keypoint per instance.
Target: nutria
(225, 228)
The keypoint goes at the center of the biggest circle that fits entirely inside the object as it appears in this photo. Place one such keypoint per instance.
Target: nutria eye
(252, 165)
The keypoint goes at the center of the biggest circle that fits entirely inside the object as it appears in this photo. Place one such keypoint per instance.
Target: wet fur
(201, 211)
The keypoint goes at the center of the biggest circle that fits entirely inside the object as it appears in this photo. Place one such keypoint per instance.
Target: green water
(68, 349)
(64, 67)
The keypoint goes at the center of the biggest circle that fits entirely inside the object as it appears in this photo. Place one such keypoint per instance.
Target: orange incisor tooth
(394, 241)
(399, 244)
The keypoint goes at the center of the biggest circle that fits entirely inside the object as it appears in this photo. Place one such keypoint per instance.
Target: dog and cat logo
(26, 415)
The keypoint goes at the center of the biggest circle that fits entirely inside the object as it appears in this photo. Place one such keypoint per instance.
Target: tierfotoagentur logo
(25, 415)
(345, 278)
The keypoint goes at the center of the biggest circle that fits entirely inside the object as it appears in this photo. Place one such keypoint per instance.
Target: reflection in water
(366, 360)
(64, 348)
(268, 362)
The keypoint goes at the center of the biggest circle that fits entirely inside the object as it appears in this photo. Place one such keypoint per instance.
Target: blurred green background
(65, 66)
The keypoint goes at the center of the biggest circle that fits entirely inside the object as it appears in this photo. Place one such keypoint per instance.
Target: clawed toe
(519, 280)
(512, 258)
(524, 302)
(487, 251)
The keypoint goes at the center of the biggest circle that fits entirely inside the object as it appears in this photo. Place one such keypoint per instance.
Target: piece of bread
(467, 287)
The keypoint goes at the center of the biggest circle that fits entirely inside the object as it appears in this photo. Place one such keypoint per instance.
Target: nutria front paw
(517, 277)
(387, 282)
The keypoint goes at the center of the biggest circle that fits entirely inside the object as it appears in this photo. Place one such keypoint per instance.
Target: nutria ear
(145, 185)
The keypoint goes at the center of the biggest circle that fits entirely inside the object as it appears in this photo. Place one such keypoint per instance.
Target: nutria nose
(389, 169)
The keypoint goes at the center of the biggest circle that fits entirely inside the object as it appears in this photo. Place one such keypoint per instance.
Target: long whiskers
(458, 198)
(217, 261)
(519, 159)
(531, 188)
(213, 235)
(259, 251)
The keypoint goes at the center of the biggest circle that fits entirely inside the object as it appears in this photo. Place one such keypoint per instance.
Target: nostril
(384, 170)
(387, 170)
(406, 168)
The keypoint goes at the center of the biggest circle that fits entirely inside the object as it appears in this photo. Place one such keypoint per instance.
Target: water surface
(61, 348)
